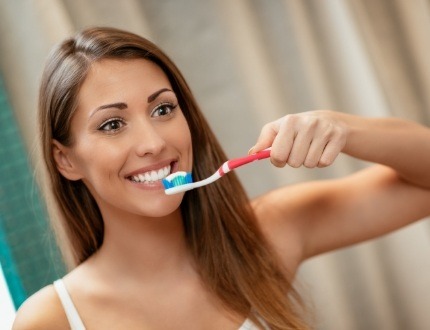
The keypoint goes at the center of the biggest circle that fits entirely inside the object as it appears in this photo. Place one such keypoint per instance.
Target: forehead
(109, 79)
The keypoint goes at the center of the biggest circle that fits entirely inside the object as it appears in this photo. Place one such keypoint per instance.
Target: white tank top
(76, 323)
(73, 317)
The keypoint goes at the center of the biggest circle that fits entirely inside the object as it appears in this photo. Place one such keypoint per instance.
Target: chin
(162, 207)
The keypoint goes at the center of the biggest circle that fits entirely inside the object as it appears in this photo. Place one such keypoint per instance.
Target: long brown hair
(233, 258)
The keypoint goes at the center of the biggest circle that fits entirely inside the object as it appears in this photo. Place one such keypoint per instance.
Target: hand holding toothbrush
(312, 139)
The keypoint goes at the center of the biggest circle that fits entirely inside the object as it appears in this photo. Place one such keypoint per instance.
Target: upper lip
(151, 167)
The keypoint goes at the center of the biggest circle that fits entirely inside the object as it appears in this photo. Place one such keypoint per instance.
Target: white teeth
(152, 176)
(147, 177)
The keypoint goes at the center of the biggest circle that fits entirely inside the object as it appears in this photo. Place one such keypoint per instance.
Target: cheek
(180, 136)
(97, 158)
(186, 142)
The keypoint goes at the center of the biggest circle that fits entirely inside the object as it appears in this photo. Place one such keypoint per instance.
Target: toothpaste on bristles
(177, 179)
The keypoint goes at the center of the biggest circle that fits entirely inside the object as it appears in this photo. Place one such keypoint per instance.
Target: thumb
(265, 140)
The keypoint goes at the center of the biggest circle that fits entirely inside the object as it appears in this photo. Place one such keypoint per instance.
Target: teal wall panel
(28, 254)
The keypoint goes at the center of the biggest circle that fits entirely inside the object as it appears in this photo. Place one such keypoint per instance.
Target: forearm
(315, 138)
(400, 144)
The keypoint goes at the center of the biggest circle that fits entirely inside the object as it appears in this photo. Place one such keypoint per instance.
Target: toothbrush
(182, 181)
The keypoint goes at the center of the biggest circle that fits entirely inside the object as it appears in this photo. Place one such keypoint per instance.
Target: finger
(330, 153)
(300, 149)
(281, 147)
(265, 140)
(316, 149)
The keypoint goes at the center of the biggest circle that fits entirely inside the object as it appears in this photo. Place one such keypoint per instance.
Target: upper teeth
(152, 176)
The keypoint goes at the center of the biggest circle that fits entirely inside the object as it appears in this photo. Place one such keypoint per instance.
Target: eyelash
(110, 121)
(103, 125)
(164, 105)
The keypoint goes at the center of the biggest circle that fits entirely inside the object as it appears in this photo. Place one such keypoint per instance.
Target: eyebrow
(122, 105)
(117, 105)
(153, 96)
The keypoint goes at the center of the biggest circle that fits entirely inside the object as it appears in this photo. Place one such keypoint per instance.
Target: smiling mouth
(151, 176)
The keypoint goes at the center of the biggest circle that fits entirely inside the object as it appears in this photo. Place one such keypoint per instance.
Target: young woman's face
(129, 133)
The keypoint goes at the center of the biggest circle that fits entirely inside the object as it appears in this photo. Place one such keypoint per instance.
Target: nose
(148, 141)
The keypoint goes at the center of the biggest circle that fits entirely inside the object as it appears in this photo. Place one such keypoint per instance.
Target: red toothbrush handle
(235, 163)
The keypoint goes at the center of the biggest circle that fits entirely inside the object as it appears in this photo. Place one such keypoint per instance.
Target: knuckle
(294, 163)
(277, 163)
(324, 162)
(328, 134)
(310, 163)
(312, 122)
(278, 159)
(267, 127)
(289, 120)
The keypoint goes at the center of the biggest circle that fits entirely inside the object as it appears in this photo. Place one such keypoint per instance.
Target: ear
(62, 156)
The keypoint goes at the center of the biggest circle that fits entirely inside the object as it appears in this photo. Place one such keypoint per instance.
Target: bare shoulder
(43, 310)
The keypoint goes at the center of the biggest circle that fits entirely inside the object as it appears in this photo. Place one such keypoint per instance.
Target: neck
(140, 247)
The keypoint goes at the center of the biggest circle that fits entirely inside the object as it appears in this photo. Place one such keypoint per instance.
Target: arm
(326, 215)
(400, 144)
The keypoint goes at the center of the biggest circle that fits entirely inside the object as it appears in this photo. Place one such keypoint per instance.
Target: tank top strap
(69, 308)
(249, 325)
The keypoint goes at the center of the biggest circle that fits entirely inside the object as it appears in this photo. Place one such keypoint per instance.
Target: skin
(313, 218)
(143, 271)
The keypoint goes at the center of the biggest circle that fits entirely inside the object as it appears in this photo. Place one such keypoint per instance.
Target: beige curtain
(251, 61)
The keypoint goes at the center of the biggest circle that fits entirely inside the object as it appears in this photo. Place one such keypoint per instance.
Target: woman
(115, 117)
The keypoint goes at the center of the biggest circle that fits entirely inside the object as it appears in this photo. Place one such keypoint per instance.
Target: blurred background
(248, 62)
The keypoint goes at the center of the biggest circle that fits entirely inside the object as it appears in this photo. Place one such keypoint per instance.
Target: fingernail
(250, 151)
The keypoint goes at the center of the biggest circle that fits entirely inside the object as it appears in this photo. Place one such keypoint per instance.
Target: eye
(164, 109)
(112, 125)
